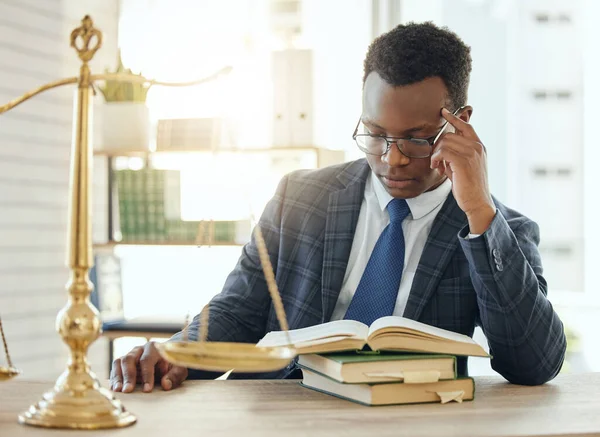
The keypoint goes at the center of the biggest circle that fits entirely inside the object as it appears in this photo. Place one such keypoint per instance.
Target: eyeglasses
(379, 145)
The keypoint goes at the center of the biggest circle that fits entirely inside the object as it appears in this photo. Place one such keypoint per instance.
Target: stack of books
(394, 361)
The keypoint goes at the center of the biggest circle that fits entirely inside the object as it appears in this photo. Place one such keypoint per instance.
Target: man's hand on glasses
(462, 157)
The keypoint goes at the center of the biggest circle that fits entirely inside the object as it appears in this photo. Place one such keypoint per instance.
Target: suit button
(499, 265)
(496, 254)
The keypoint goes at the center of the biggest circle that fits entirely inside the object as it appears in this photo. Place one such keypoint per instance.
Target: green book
(355, 368)
(142, 198)
(123, 204)
(138, 211)
(453, 390)
(150, 192)
(127, 205)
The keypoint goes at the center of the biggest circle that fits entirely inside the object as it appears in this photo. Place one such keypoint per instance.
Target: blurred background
(180, 174)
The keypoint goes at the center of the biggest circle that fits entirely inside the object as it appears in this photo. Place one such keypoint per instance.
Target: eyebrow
(419, 128)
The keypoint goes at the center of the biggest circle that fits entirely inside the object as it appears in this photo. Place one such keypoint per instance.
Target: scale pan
(223, 356)
(7, 373)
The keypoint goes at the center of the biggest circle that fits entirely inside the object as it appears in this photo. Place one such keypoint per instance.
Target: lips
(397, 182)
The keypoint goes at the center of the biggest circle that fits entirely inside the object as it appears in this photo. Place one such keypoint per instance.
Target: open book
(387, 333)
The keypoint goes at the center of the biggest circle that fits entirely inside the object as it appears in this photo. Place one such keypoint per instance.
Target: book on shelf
(141, 203)
(149, 211)
(397, 393)
(355, 368)
(389, 333)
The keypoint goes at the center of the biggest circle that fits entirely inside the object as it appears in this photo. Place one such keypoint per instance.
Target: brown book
(387, 333)
(462, 389)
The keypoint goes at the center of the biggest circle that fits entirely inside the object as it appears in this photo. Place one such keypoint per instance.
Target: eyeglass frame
(396, 140)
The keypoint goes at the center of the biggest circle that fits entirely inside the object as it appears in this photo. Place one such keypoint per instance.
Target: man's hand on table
(145, 366)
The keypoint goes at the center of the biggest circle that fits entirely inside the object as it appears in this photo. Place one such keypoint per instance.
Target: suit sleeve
(525, 335)
(239, 312)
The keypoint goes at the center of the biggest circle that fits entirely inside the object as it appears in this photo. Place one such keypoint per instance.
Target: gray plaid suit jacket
(494, 281)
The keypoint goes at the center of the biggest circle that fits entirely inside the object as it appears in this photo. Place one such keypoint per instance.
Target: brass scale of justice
(77, 399)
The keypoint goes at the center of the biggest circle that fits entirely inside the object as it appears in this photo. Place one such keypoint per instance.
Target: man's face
(411, 111)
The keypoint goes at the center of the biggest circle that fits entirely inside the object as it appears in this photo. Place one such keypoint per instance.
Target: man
(411, 230)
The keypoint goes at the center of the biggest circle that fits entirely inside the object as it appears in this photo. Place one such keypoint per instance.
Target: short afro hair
(413, 52)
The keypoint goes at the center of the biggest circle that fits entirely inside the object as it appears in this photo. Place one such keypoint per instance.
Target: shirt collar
(419, 206)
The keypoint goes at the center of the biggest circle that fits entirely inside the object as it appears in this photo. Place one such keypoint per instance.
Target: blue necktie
(377, 291)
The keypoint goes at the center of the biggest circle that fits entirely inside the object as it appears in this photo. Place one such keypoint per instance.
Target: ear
(465, 113)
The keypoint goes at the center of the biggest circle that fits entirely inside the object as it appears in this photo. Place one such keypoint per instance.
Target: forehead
(401, 108)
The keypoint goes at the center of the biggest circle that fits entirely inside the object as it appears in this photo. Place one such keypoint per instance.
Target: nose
(395, 158)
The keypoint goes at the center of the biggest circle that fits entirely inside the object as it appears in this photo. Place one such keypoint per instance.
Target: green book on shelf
(353, 368)
(142, 199)
(149, 211)
(461, 389)
(127, 205)
(153, 195)
(138, 193)
(123, 203)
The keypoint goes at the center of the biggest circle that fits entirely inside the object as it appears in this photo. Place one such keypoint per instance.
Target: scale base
(78, 407)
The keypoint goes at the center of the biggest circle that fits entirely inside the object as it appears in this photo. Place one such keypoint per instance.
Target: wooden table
(569, 405)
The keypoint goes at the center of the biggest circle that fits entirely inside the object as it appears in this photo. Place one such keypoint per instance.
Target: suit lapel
(342, 217)
(439, 248)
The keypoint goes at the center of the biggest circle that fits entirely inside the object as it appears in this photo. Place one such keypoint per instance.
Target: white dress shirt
(372, 220)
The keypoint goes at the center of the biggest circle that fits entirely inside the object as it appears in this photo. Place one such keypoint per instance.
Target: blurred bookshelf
(323, 156)
(165, 243)
(145, 201)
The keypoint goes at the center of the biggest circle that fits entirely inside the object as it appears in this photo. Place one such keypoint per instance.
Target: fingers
(452, 147)
(129, 368)
(444, 154)
(462, 127)
(174, 377)
(150, 357)
(163, 368)
(146, 364)
(116, 376)
(448, 171)
(441, 167)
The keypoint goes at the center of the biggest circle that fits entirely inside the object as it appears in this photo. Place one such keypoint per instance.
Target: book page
(428, 330)
(339, 329)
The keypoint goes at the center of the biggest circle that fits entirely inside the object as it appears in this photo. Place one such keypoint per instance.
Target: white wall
(338, 32)
(35, 141)
(485, 32)
(589, 38)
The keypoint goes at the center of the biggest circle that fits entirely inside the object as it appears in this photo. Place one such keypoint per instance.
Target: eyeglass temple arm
(437, 137)
(356, 129)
